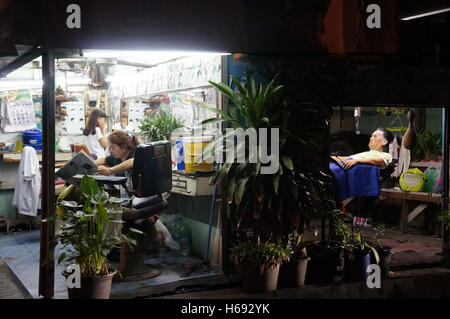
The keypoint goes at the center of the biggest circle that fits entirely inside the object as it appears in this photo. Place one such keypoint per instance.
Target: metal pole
(445, 167)
(47, 261)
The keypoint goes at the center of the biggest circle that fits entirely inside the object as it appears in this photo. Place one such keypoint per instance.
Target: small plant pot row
(320, 267)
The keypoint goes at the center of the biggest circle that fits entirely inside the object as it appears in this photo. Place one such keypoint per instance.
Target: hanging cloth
(28, 183)
(404, 160)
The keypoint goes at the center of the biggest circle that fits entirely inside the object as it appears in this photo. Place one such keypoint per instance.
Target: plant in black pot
(91, 227)
(384, 252)
(357, 257)
(326, 254)
(293, 272)
(260, 264)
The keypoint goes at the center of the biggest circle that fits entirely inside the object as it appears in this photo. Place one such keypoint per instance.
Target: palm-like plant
(88, 231)
(253, 197)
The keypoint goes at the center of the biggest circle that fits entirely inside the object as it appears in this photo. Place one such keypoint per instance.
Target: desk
(15, 156)
(408, 200)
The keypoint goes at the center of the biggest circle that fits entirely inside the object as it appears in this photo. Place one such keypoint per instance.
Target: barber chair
(152, 176)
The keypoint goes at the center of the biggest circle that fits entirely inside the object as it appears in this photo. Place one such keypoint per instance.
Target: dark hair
(92, 121)
(388, 136)
(123, 140)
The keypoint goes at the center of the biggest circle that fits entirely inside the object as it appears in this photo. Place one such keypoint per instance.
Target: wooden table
(417, 200)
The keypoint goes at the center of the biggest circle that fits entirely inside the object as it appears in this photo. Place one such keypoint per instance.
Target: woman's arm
(103, 170)
(100, 161)
(340, 158)
(372, 161)
(103, 141)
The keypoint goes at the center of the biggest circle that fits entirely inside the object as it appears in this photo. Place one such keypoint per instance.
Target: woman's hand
(349, 163)
(104, 170)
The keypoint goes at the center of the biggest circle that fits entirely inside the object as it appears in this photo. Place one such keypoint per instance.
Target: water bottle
(180, 155)
(181, 234)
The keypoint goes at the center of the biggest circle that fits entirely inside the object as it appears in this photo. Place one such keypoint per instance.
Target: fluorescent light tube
(421, 15)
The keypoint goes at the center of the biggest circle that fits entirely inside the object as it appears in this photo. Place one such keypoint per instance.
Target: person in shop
(121, 158)
(378, 151)
(364, 180)
(95, 133)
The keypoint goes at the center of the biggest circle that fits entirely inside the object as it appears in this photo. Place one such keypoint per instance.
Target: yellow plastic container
(19, 145)
(193, 148)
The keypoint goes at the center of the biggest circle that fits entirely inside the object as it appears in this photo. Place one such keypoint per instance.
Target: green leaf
(212, 120)
(288, 162)
(240, 190)
(70, 204)
(61, 258)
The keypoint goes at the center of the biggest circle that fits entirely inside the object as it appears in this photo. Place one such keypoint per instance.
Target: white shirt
(28, 184)
(93, 144)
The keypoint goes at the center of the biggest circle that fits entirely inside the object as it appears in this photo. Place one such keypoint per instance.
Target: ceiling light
(150, 57)
(421, 15)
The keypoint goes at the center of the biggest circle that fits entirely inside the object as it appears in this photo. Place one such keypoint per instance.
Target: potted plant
(429, 144)
(260, 264)
(326, 254)
(357, 257)
(293, 272)
(159, 126)
(384, 252)
(90, 229)
(271, 205)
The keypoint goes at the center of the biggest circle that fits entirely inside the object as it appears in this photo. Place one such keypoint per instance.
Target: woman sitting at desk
(378, 145)
(121, 148)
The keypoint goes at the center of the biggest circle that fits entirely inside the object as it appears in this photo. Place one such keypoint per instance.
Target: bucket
(32, 138)
(193, 148)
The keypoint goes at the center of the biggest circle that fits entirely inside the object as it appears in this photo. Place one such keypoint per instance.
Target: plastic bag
(166, 236)
(413, 180)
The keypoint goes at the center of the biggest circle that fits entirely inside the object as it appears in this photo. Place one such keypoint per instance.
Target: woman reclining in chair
(377, 155)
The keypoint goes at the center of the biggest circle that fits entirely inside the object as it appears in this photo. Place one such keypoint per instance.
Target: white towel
(28, 184)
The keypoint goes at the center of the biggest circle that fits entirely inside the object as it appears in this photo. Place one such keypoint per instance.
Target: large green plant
(268, 207)
(252, 196)
(429, 144)
(158, 126)
(89, 229)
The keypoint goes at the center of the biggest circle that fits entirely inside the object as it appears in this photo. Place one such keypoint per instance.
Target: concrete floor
(409, 250)
(20, 252)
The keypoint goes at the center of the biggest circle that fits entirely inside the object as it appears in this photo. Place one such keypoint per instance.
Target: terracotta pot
(93, 287)
(254, 281)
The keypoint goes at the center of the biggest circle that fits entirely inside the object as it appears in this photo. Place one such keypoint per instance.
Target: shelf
(63, 99)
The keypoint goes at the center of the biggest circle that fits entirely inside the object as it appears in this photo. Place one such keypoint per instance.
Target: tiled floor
(21, 252)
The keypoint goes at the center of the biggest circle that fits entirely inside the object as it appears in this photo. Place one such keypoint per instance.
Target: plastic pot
(255, 281)
(355, 266)
(92, 287)
(324, 260)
